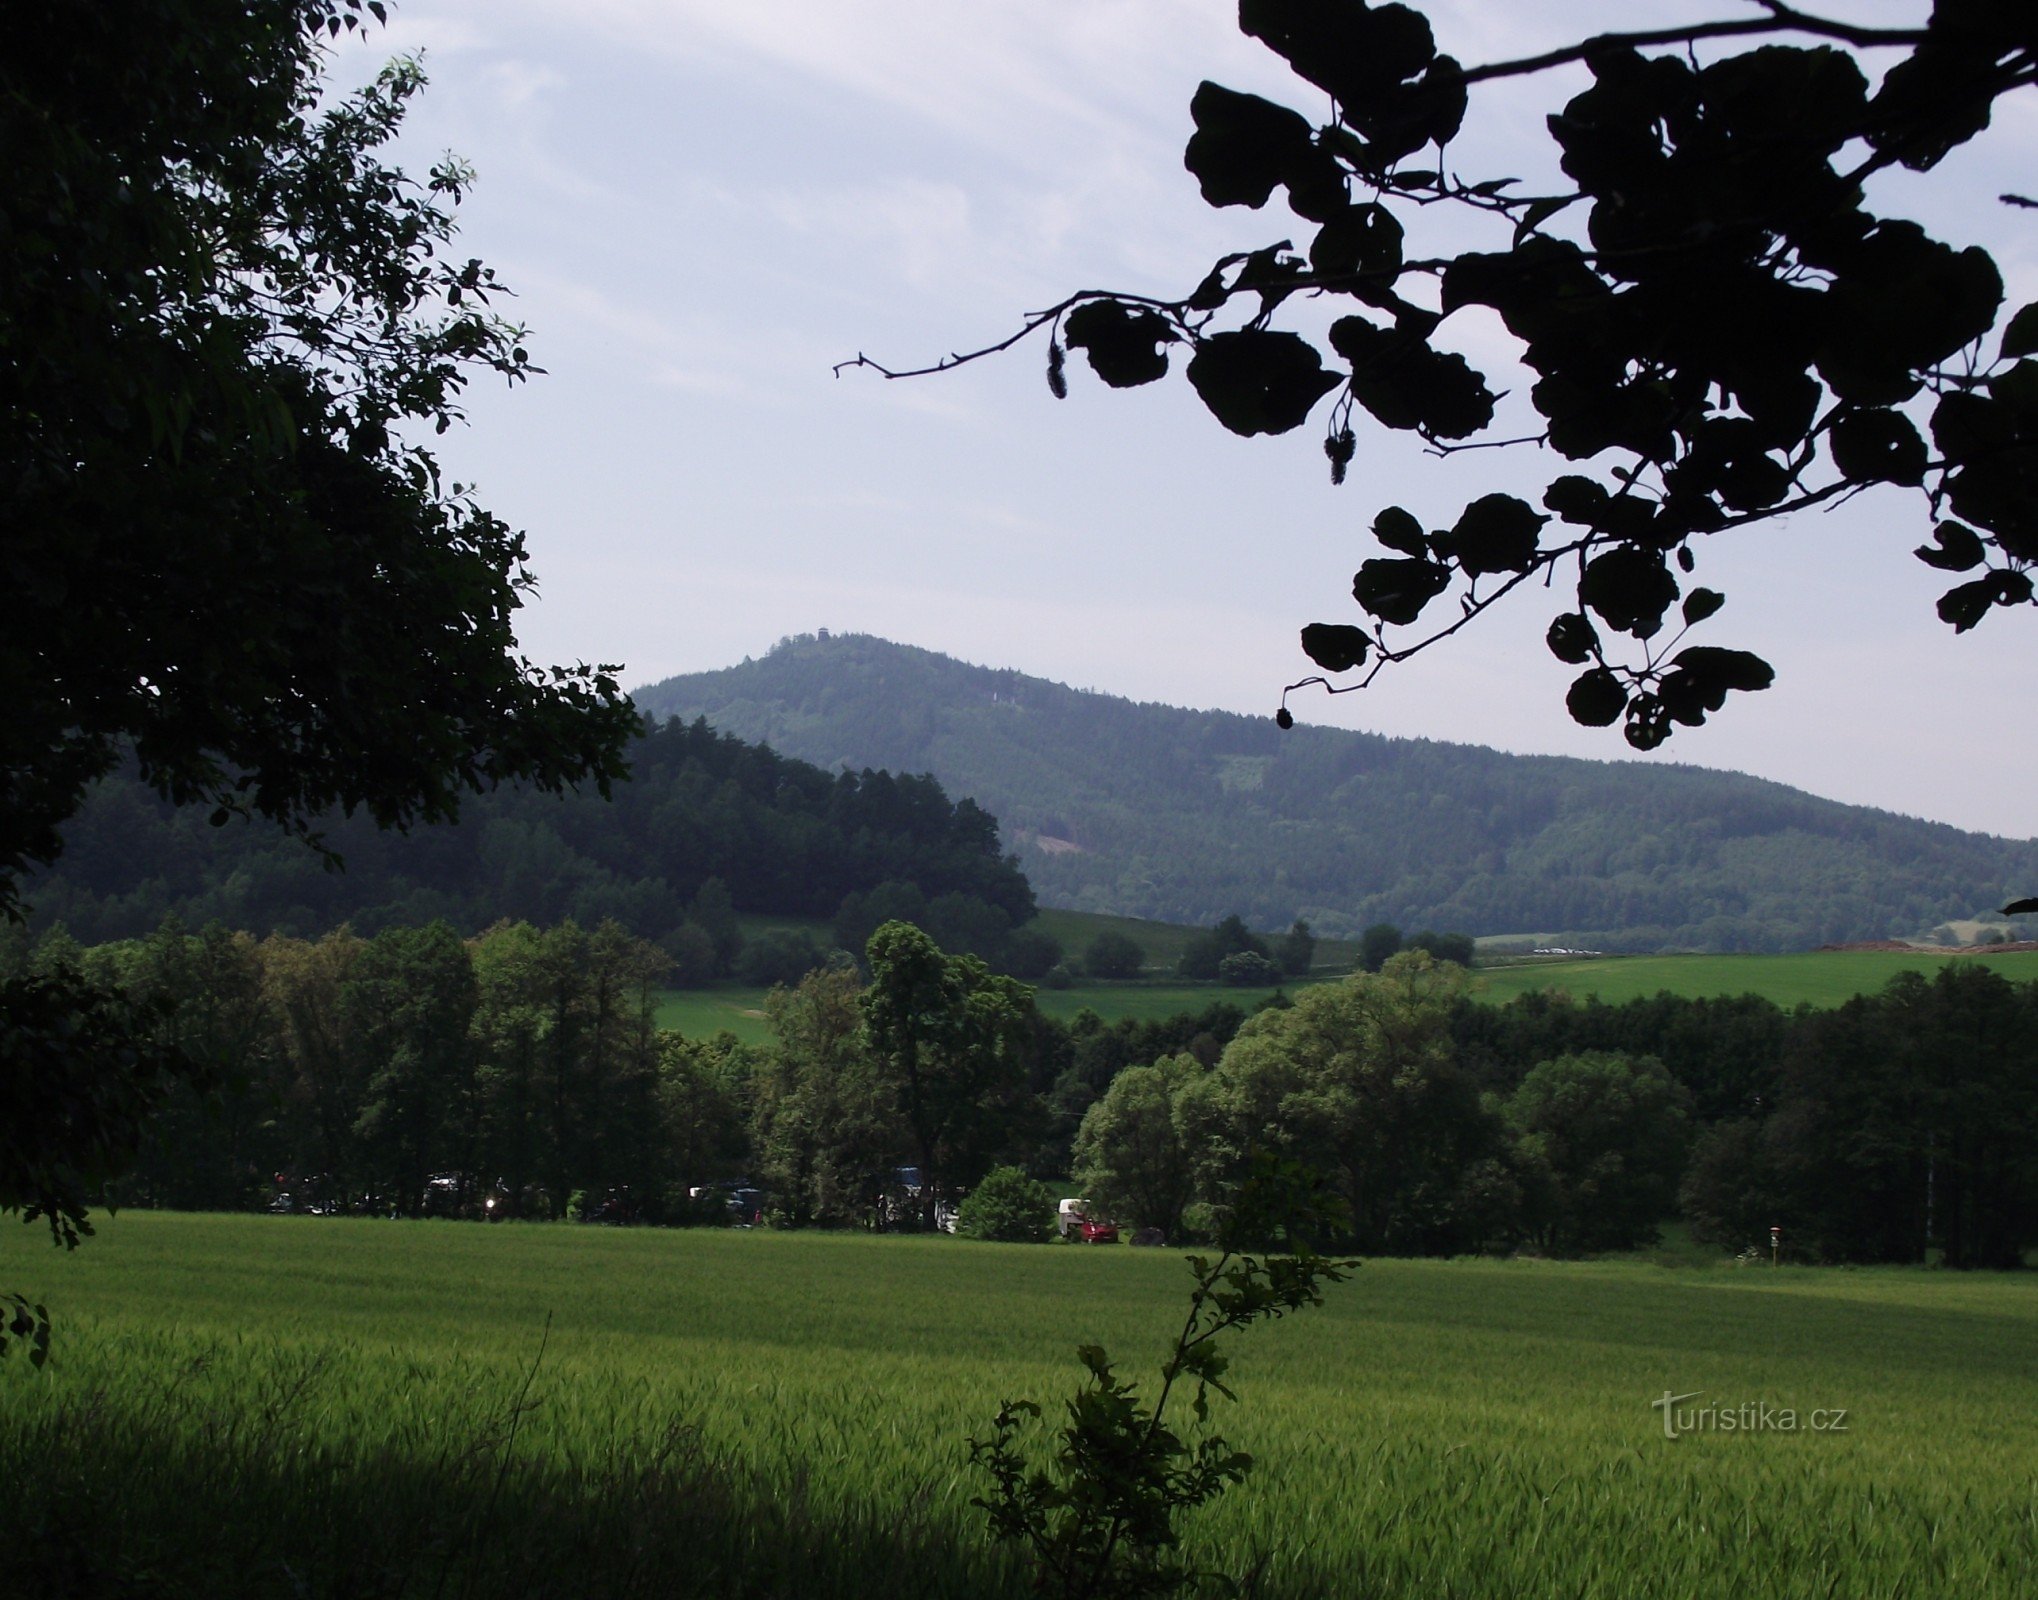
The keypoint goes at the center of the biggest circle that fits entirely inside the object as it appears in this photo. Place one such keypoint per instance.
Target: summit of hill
(1181, 815)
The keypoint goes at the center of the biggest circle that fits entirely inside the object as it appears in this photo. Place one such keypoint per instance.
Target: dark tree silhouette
(223, 318)
(1721, 329)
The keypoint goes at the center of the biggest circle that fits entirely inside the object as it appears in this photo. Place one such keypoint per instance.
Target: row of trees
(706, 825)
(1896, 1126)
(1893, 1127)
(416, 1069)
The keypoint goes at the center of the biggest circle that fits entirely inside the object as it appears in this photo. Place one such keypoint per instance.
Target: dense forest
(706, 823)
(1183, 816)
(416, 1072)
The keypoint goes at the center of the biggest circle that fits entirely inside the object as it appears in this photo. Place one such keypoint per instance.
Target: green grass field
(1819, 977)
(247, 1405)
(699, 1013)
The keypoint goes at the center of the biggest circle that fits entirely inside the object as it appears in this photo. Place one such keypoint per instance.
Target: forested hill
(1154, 811)
(779, 834)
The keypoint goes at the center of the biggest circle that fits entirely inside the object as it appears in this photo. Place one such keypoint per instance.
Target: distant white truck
(1074, 1220)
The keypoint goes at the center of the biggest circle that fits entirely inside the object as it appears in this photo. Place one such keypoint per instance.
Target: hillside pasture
(1820, 978)
(245, 1405)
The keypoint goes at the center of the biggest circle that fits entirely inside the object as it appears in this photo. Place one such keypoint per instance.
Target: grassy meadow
(244, 1405)
(1818, 978)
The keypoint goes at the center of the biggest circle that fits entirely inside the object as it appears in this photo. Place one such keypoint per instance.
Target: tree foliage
(224, 318)
(1007, 1207)
(947, 1038)
(1721, 326)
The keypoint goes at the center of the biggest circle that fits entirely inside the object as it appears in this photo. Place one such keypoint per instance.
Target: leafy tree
(1605, 1134)
(780, 956)
(1359, 1081)
(1100, 1519)
(1007, 1207)
(1722, 329)
(408, 1004)
(702, 1085)
(224, 319)
(1205, 951)
(695, 961)
(1132, 1156)
(304, 980)
(1113, 955)
(1377, 944)
(947, 1037)
(824, 1119)
(224, 322)
(1030, 954)
(1295, 950)
(1247, 969)
(714, 912)
(1457, 947)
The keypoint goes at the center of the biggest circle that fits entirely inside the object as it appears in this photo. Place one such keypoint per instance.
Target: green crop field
(1818, 977)
(246, 1405)
(699, 1013)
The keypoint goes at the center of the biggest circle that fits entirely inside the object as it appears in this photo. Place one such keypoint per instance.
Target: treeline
(1897, 1126)
(415, 1070)
(1180, 815)
(706, 826)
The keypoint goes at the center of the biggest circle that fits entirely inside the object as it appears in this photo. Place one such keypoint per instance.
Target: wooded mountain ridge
(702, 812)
(1181, 815)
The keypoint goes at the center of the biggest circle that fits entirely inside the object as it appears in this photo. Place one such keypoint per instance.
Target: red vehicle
(1096, 1230)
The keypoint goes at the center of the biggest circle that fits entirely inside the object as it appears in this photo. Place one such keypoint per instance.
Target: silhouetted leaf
(1254, 381)
(1126, 346)
(1243, 146)
(1335, 646)
(1701, 603)
(1398, 530)
(1406, 384)
(1596, 698)
(1967, 604)
(1357, 239)
(1955, 548)
(1630, 588)
(2020, 338)
(1572, 638)
(1879, 446)
(1396, 591)
(1496, 533)
(1729, 669)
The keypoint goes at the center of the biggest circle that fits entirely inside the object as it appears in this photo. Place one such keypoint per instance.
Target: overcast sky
(703, 205)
